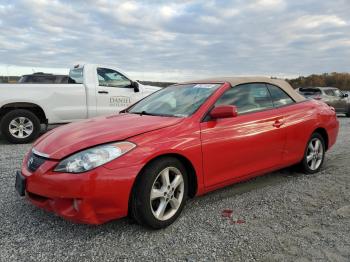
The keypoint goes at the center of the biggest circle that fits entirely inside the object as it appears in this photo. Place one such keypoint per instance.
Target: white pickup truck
(92, 90)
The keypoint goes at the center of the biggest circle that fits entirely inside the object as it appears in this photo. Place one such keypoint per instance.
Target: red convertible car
(182, 141)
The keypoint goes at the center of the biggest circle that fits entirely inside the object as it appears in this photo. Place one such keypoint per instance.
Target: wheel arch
(192, 176)
(323, 132)
(34, 108)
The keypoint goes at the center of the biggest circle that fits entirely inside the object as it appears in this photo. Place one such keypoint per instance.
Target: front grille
(34, 162)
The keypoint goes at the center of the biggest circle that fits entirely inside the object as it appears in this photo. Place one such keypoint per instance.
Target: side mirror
(345, 95)
(224, 111)
(135, 85)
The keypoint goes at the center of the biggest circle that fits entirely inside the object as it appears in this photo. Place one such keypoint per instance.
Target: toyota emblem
(30, 161)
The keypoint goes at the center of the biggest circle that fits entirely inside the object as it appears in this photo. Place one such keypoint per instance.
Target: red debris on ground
(227, 213)
(238, 221)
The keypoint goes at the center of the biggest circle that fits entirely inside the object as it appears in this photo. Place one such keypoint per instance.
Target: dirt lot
(283, 216)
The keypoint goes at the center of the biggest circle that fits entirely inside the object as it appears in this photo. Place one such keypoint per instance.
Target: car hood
(65, 140)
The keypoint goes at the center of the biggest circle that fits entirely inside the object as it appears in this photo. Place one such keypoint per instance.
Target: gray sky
(177, 40)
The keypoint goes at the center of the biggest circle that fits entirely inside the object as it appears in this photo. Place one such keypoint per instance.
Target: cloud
(314, 21)
(180, 39)
(268, 4)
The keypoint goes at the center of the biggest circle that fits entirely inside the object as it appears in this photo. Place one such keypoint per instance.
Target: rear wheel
(314, 154)
(20, 126)
(160, 193)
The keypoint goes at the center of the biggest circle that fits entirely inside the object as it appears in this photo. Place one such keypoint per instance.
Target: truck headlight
(93, 157)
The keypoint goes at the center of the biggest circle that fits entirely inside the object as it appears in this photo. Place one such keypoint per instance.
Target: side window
(329, 92)
(279, 97)
(109, 77)
(247, 98)
(29, 79)
(338, 93)
(76, 76)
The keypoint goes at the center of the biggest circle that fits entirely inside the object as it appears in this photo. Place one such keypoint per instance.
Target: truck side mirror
(135, 85)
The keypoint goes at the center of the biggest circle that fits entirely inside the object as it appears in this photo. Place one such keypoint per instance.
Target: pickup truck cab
(92, 90)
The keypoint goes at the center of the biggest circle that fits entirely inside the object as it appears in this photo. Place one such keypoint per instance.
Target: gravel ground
(282, 216)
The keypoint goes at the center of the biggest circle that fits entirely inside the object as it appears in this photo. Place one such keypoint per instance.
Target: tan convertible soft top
(243, 80)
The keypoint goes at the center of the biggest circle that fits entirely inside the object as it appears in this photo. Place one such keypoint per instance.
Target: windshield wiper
(149, 114)
(142, 113)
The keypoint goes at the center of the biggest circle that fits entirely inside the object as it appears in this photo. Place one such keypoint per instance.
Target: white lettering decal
(119, 101)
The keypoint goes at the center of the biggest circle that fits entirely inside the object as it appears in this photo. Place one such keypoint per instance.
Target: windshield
(23, 79)
(176, 100)
(338, 93)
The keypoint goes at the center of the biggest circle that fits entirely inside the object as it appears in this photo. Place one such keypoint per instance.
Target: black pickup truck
(43, 78)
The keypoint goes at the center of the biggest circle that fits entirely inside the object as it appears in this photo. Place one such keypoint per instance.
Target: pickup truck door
(114, 92)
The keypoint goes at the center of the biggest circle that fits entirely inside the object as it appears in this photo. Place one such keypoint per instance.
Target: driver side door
(244, 145)
(114, 92)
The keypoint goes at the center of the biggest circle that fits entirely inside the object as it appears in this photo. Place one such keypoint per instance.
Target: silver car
(330, 95)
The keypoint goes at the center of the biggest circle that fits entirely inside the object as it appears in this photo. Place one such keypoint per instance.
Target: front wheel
(160, 193)
(314, 154)
(20, 126)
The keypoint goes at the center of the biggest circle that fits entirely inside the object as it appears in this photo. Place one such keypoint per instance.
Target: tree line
(9, 79)
(339, 80)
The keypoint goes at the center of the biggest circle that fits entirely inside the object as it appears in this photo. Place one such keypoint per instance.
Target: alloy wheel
(21, 127)
(314, 155)
(167, 193)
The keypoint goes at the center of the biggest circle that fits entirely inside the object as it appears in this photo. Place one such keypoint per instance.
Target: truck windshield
(76, 76)
(176, 100)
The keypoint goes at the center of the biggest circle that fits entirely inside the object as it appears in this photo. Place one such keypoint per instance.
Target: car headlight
(93, 157)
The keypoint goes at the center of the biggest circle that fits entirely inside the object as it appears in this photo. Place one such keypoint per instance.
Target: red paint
(223, 111)
(76, 136)
(222, 152)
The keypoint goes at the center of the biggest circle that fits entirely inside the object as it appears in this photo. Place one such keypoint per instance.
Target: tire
(25, 122)
(314, 155)
(147, 212)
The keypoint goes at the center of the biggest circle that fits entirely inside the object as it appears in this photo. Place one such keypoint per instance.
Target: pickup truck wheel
(20, 126)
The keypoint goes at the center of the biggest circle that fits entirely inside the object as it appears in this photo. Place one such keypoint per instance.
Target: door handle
(103, 92)
(278, 123)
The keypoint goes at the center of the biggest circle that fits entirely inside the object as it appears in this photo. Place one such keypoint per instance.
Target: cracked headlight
(93, 157)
